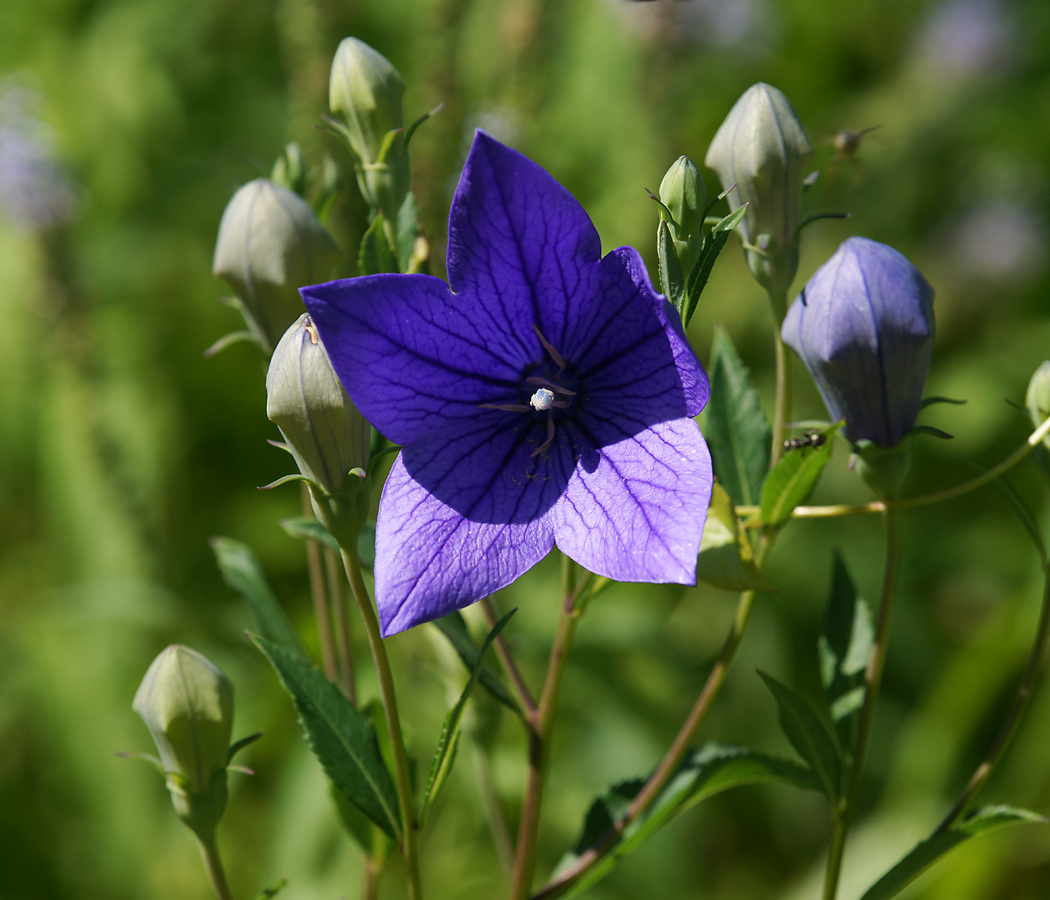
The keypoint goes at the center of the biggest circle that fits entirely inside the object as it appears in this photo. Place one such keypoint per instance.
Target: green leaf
(342, 738)
(308, 528)
(793, 479)
(726, 559)
(735, 426)
(808, 736)
(713, 244)
(929, 401)
(376, 255)
(672, 281)
(449, 740)
(844, 650)
(454, 628)
(704, 772)
(243, 574)
(987, 818)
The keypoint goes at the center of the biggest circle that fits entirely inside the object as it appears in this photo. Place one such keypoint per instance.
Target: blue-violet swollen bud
(305, 399)
(863, 326)
(270, 243)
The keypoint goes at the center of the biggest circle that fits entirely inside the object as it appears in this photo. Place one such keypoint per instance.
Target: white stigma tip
(542, 400)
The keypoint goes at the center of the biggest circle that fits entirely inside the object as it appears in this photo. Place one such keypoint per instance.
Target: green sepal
(931, 431)
(143, 757)
(808, 735)
(244, 575)
(929, 401)
(925, 854)
(816, 217)
(454, 628)
(237, 746)
(726, 559)
(672, 281)
(714, 242)
(273, 890)
(284, 479)
(376, 255)
(736, 428)
(844, 650)
(427, 115)
(341, 738)
(704, 772)
(793, 479)
(407, 229)
(234, 337)
(448, 743)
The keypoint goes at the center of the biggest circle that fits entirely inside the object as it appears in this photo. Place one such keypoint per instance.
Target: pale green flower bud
(270, 244)
(684, 193)
(187, 704)
(1037, 399)
(365, 92)
(325, 433)
(762, 148)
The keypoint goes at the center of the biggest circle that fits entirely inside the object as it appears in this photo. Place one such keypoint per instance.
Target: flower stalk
(540, 724)
(1013, 720)
(213, 866)
(410, 824)
(872, 682)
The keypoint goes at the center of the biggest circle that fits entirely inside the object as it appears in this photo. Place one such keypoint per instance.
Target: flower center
(542, 400)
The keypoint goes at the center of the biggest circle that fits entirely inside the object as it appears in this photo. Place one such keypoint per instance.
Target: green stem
(1013, 720)
(318, 593)
(851, 509)
(540, 723)
(782, 410)
(213, 866)
(673, 758)
(872, 682)
(521, 689)
(410, 824)
(342, 625)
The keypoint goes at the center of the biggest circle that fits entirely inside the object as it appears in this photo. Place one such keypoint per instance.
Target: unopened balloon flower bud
(270, 243)
(325, 433)
(762, 148)
(187, 704)
(365, 93)
(1037, 399)
(684, 194)
(864, 327)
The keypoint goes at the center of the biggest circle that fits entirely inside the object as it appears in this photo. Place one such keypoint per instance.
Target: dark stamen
(559, 360)
(505, 407)
(547, 443)
(550, 385)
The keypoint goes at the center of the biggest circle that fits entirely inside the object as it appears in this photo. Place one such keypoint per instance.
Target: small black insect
(812, 439)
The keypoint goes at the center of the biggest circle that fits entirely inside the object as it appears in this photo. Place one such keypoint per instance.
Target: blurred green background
(126, 125)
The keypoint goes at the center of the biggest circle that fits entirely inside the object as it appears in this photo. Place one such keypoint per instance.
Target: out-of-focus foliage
(122, 450)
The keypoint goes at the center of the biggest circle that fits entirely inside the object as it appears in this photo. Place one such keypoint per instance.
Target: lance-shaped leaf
(844, 650)
(808, 736)
(793, 479)
(242, 572)
(342, 738)
(736, 428)
(726, 559)
(984, 819)
(454, 628)
(714, 241)
(308, 528)
(449, 740)
(704, 772)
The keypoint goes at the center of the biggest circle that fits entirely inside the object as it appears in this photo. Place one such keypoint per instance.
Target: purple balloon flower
(545, 399)
(863, 326)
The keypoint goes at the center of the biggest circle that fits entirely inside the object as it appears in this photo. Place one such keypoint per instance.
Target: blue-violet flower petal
(543, 397)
